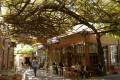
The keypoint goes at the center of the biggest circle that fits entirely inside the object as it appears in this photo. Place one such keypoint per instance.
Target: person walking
(35, 65)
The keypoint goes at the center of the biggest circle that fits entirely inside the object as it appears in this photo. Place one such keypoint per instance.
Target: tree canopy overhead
(49, 18)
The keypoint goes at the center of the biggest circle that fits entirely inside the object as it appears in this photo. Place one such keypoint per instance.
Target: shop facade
(83, 49)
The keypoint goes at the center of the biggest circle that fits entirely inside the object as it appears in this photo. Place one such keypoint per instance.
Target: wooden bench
(67, 72)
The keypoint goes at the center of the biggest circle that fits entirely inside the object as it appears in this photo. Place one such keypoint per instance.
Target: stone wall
(6, 53)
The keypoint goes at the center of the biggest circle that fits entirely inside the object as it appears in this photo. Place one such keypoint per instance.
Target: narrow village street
(59, 39)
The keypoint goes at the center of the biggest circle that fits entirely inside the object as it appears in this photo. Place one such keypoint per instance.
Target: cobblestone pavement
(43, 75)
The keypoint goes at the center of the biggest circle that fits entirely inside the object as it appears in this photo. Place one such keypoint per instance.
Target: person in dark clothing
(84, 71)
(100, 69)
(61, 68)
(30, 65)
(22, 64)
(56, 69)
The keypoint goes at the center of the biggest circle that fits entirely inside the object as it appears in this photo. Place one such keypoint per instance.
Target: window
(57, 55)
(50, 53)
(93, 54)
(63, 50)
(53, 54)
(79, 49)
(114, 55)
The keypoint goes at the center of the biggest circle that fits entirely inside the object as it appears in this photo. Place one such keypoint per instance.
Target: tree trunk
(100, 51)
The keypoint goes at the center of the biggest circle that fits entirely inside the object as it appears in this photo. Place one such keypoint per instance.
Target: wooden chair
(67, 72)
(91, 73)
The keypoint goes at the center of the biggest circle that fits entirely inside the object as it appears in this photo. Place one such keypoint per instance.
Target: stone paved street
(42, 75)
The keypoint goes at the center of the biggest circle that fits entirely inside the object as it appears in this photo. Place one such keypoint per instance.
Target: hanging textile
(3, 47)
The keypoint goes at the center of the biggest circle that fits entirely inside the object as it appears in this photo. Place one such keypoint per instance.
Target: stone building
(6, 53)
